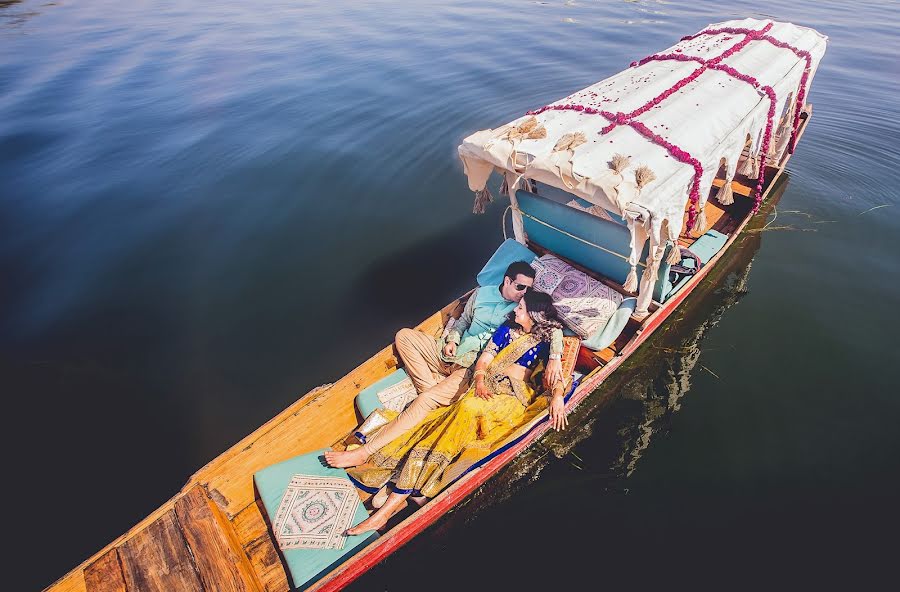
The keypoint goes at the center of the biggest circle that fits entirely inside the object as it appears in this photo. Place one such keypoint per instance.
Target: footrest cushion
(306, 566)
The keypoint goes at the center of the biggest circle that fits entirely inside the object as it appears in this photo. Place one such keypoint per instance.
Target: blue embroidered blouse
(504, 335)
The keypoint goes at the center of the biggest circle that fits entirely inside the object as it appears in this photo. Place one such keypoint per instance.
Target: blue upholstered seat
(305, 566)
(612, 236)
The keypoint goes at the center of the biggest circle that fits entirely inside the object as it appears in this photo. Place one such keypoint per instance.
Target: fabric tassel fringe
(504, 187)
(674, 257)
(755, 172)
(725, 196)
(700, 222)
(482, 198)
(631, 282)
(746, 167)
(619, 163)
(643, 175)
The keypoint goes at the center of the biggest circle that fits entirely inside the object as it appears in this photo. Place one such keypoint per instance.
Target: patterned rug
(315, 512)
(398, 396)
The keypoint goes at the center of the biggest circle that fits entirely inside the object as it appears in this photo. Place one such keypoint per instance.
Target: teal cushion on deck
(367, 400)
(705, 248)
(305, 566)
(602, 338)
(509, 251)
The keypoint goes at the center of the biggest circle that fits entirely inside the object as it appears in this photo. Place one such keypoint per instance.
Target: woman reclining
(449, 440)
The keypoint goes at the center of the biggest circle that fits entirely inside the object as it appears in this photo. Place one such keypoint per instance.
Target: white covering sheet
(710, 118)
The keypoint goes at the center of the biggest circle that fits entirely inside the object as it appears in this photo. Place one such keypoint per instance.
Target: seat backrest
(587, 227)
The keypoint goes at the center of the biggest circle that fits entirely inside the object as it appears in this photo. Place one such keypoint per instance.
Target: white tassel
(755, 173)
(700, 222)
(725, 196)
(746, 166)
(482, 198)
(631, 282)
(504, 187)
(674, 257)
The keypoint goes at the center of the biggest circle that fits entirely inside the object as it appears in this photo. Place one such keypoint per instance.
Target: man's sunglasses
(521, 287)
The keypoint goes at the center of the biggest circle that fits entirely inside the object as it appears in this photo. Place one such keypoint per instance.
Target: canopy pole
(648, 278)
(512, 183)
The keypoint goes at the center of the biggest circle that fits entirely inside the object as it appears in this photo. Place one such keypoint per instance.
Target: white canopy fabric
(678, 116)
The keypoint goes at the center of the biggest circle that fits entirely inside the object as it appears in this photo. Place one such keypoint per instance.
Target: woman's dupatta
(445, 444)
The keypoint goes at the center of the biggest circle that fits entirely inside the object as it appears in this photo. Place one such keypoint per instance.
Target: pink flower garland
(617, 119)
(770, 93)
(761, 35)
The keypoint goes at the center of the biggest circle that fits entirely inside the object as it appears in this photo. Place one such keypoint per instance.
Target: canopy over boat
(648, 141)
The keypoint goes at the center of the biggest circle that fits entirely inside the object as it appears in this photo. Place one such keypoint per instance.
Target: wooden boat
(214, 534)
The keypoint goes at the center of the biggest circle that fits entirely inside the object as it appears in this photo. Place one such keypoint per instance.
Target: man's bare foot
(346, 459)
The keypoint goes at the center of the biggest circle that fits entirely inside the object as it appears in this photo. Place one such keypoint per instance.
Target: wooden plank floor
(157, 559)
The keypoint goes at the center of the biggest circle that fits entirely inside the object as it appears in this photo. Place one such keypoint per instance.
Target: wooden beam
(105, 574)
(71, 582)
(737, 187)
(157, 559)
(219, 558)
(253, 533)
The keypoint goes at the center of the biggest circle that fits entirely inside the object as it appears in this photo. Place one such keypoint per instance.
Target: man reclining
(440, 369)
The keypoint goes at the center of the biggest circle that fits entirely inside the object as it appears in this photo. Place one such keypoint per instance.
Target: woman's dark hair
(540, 308)
(540, 302)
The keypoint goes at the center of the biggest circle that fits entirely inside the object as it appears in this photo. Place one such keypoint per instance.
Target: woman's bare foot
(374, 522)
(377, 521)
(379, 498)
(347, 458)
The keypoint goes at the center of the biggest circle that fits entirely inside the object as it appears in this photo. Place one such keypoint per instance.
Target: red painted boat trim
(446, 500)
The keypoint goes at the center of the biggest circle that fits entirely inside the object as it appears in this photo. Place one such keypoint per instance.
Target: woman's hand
(481, 390)
(554, 371)
(558, 419)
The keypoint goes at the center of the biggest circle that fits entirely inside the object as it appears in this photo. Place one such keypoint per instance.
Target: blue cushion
(606, 234)
(305, 566)
(705, 248)
(509, 251)
(602, 338)
(367, 400)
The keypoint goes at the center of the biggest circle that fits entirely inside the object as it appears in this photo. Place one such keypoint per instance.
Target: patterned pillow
(548, 275)
(585, 304)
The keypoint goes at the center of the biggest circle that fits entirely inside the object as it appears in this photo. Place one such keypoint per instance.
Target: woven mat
(315, 512)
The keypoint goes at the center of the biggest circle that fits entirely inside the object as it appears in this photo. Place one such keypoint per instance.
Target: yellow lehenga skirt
(450, 440)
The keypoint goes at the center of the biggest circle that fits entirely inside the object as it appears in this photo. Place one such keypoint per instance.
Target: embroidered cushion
(367, 400)
(585, 304)
(305, 566)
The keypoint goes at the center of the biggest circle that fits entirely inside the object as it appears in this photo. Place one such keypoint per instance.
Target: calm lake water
(208, 208)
